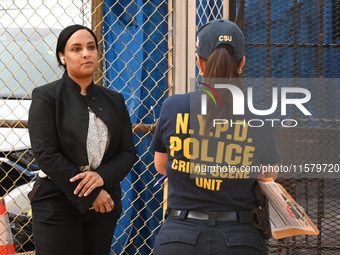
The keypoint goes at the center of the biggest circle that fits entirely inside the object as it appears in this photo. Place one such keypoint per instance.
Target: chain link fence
(285, 40)
(300, 40)
(135, 49)
(28, 33)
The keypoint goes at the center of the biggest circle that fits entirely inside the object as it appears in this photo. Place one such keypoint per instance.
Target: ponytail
(220, 66)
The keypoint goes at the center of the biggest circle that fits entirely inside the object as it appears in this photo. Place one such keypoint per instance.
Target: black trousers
(59, 228)
(197, 237)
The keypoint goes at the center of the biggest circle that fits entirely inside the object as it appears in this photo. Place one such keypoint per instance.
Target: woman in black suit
(82, 141)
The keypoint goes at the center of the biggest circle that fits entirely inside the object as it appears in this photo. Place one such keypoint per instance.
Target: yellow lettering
(229, 156)
(203, 169)
(182, 123)
(248, 154)
(201, 122)
(174, 164)
(192, 167)
(238, 174)
(223, 38)
(194, 148)
(175, 145)
(207, 183)
(181, 166)
(224, 174)
(246, 174)
(218, 184)
(241, 132)
(219, 154)
(204, 151)
(199, 182)
(211, 184)
(200, 169)
(187, 169)
(221, 128)
(214, 171)
(231, 173)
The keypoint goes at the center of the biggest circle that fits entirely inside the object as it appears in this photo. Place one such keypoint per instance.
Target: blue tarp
(135, 50)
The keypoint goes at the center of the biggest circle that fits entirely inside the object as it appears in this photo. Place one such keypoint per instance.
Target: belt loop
(183, 214)
(167, 212)
(241, 217)
(244, 217)
(212, 219)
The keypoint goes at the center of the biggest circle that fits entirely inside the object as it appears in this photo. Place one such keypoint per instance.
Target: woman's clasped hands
(89, 181)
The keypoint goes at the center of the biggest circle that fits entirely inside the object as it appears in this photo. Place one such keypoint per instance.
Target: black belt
(240, 216)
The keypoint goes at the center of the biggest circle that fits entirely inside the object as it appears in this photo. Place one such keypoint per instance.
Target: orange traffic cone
(6, 239)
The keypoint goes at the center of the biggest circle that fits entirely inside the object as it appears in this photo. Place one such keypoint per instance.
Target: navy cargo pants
(197, 237)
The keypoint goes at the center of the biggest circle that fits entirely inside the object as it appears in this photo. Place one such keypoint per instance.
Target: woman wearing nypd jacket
(82, 141)
(207, 152)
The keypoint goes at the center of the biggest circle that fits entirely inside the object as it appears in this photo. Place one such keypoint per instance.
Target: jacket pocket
(36, 186)
(32, 192)
(250, 239)
(178, 235)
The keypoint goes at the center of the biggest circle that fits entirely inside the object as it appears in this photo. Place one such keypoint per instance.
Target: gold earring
(240, 71)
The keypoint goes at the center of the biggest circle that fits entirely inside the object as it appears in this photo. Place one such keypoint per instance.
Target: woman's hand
(103, 203)
(90, 181)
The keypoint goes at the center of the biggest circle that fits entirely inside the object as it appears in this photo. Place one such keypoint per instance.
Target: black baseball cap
(216, 32)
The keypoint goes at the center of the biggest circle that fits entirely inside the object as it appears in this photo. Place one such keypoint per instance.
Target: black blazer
(58, 124)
